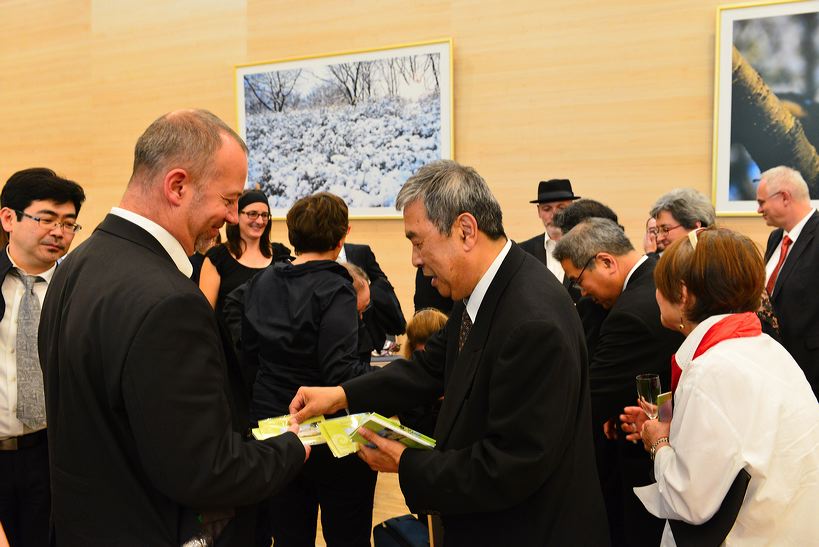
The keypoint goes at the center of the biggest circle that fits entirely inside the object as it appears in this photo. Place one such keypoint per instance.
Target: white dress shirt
(794, 235)
(551, 262)
(13, 290)
(632, 270)
(744, 403)
(163, 236)
(473, 301)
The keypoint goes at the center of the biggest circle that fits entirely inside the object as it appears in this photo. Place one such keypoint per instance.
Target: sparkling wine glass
(648, 389)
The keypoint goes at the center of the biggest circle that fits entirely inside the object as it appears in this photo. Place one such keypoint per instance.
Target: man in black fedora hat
(552, 195)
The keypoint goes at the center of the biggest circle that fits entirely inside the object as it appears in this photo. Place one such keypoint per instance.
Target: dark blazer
(795, 298)
(384, 315)
(5, 268)
(514, 461)
(141, 426)
(536, 247)
(631, 341)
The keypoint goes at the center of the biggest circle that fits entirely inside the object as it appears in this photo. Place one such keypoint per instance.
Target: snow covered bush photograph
(357, 125)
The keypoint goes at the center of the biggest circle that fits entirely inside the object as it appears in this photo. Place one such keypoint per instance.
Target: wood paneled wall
(616, 95)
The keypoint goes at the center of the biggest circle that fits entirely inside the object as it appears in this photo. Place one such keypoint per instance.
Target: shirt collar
(634, 269)
(793, 234)
(46, 275)
(163, 236)
(473, 301)
(689, 346)
(342, 256)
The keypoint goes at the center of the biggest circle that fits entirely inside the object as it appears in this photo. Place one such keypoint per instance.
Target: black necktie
(466, 326)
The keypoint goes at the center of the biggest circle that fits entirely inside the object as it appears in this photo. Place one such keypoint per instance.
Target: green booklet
(309, 431)
(338, 431)
(392, 429)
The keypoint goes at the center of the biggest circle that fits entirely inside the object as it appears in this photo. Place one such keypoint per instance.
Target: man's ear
(176, 185)
(7, 216)
(467, 229)
(608, 261)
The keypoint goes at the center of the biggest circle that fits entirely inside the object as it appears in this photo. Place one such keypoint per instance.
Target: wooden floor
(388, 502)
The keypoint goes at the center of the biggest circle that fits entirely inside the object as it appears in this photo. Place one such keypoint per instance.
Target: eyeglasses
(761, 202)
(253, 215)
(653, 231)
(576, 282)
(50, 223)
(665, 229)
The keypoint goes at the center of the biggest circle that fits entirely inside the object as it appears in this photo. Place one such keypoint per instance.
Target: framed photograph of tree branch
(355, 124)
(766, 104)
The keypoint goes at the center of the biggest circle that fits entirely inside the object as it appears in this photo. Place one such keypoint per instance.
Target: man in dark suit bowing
(514, 463)
(552, 196)
(142, 420)
(792, 263)
(383, 316)
(597, 256)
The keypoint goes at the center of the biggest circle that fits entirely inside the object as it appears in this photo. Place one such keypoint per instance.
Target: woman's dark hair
(234, 237)
(317, 223)
(724, 273)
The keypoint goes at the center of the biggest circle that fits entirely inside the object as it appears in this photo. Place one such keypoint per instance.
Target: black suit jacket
(5, 268)
(536, 247)
(141, 431)
(514, 460)
(795, 298)
(384, 315)
(631, 341)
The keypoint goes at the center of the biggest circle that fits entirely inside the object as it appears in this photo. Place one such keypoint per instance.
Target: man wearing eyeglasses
(792, 263)
(599, 258)
(39, 217)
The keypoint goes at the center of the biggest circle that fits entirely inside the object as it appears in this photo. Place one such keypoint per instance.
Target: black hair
(39, 183)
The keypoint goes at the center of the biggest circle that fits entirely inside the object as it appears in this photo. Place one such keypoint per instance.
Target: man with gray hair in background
(792, 264)
(145, 429)
(600, 259)
(678, 212)
(513, 463)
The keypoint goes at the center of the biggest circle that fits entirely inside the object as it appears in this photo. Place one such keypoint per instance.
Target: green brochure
(309, 431)
(392, 429)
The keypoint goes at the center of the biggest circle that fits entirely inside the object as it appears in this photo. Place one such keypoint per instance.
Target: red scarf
(737, 325)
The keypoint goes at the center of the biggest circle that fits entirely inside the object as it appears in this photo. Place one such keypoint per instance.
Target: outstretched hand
(631, 422)
(386, 454)
(313, 401)
(293, 429)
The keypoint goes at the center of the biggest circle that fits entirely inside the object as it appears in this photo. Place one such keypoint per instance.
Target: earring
(682, 325)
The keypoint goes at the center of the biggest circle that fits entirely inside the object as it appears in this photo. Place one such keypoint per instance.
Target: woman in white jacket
(740, 401)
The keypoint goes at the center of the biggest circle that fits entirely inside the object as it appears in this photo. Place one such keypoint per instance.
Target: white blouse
(744, 403)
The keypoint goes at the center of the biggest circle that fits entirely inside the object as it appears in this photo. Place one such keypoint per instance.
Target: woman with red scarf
(740, 402)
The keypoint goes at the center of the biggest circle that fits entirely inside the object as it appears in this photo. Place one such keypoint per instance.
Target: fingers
(307, 449)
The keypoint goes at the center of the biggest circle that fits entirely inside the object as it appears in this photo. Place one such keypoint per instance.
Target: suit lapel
(804, 241)
(773, 242)
(126, 229)
(462, 367)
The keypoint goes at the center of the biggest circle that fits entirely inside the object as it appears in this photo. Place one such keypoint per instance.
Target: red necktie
(783, 254)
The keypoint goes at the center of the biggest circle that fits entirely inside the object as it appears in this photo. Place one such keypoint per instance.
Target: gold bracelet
(657, 443)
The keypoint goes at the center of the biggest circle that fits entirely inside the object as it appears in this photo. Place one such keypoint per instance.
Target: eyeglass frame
(665, 229)
(253, 215)
(762, 202)
(51, 224)
(576, 281)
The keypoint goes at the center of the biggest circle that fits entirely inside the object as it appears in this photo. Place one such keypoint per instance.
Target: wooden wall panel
(615, 95)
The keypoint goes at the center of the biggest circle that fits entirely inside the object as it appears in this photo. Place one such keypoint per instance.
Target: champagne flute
(648, 389)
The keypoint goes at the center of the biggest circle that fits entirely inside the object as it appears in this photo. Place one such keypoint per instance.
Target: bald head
(187, 139)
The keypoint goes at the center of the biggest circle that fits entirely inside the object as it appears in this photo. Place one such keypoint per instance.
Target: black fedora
(554, 190)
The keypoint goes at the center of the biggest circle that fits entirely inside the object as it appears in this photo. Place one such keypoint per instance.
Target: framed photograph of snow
(355, 124)
(766, 100)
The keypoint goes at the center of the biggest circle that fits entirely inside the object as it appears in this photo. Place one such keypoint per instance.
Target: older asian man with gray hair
(513, 463)
(597, 256)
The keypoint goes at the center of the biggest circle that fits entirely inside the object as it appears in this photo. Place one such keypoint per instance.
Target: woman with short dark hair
(301, 328)
(740, 401)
